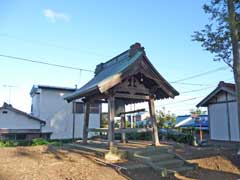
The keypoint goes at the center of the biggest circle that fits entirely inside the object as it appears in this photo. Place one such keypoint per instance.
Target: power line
(44, 43)
(192, 84)
(200, 74)
(185, 100)
(45, 63)
(196, 90)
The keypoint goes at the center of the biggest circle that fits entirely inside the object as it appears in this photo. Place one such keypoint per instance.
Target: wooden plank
(155, 137)
(86, 122)
(130, 112)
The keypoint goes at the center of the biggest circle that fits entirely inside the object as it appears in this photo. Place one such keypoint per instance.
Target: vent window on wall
(5, 112)
(94, 108)
(79, 107)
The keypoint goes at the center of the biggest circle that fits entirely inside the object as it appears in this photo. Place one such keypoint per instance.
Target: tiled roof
(111, 68)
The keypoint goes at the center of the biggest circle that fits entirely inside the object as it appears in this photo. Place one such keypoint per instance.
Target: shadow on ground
(147, 173)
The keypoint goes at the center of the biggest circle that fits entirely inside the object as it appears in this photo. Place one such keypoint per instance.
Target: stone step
(153, 150)
(86, 149)
(168, 164)
(155, 157)
(181, 169)
(136, 166)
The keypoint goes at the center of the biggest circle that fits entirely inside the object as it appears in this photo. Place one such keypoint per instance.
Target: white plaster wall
(234, 121)
(231, 97)
(13, 120)
(94, 122)
(35, 105)
(218, 122)
(58, 115)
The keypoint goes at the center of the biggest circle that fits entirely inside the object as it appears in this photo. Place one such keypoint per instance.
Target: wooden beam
(111, 116)
(131, 130)
(98, 130)
(119, 130)
(86, 122)
(130, 96)
(130, 112)
(155, 137)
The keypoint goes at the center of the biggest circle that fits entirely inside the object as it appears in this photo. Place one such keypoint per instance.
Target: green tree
(163, 119)
(197, 111)
(221, 36)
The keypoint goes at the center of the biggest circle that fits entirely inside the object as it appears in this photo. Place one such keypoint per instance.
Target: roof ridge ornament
(135, 48)
(6, 105)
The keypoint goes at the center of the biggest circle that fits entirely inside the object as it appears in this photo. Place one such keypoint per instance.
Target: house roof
(113, 69)
(36, 87)
(189, 121)
(10, 108)
(222, 86)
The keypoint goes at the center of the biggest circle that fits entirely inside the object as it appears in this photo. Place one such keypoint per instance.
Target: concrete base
(161, 159)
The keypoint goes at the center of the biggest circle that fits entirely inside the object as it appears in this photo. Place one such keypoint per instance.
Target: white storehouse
(18, 125)
(48, 103)
(222, 112)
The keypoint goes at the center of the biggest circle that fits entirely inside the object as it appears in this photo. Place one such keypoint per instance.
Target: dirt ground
(48, 162)
(221, 163)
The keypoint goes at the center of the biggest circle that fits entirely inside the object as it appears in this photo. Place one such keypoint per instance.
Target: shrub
(56, 143)
(181, 138)
(39, 141)
(8, 143)
(135, 136)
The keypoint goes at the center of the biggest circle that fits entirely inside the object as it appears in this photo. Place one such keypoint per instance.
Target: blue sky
(85, 33)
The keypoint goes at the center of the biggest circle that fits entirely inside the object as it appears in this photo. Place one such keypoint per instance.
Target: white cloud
(53, 16)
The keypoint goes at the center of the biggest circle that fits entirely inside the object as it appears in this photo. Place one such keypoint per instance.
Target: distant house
(140, 118)
(187, 121)
(48, 103)
(18, 125)
(222, 112)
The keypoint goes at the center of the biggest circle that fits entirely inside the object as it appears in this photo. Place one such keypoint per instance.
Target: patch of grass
(8, 143)
(39, 141)
(33, 142)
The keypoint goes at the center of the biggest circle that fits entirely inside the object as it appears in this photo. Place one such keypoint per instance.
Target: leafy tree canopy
(216, 37)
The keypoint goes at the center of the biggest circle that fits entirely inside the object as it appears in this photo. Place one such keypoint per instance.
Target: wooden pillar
(111, 116)
(74, 118)
(86, 122)
(155, 139)
(123, 126)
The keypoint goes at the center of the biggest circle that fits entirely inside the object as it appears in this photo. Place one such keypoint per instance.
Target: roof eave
(23, 113)
(174, 92)
(76, 95)
(204, 102)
